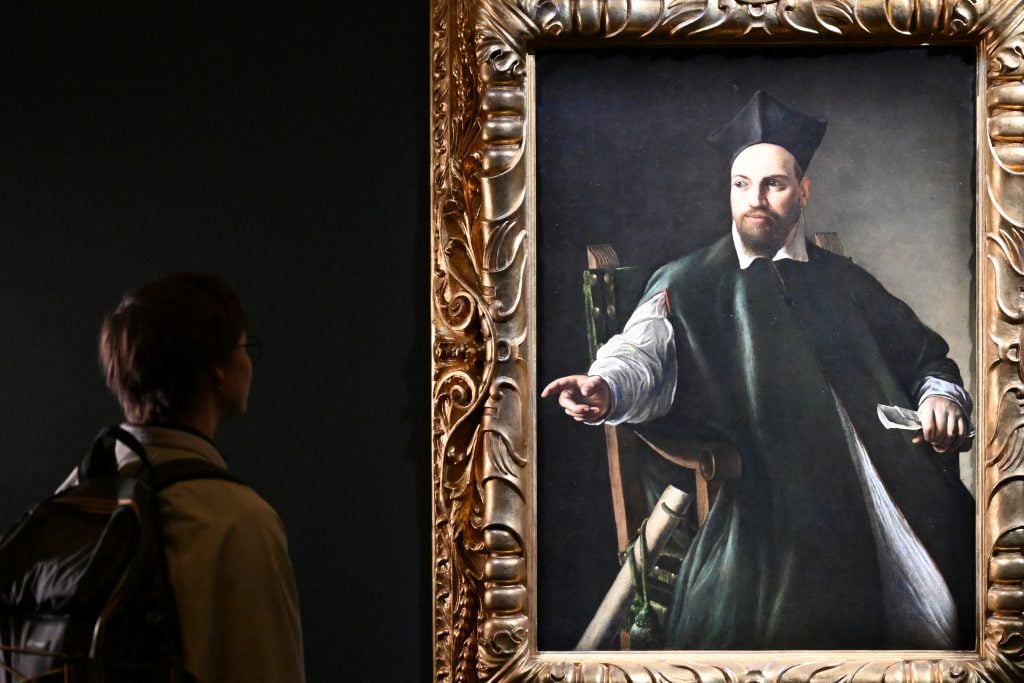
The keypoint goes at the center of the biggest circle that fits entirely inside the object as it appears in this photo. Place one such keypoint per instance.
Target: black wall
(286, 151)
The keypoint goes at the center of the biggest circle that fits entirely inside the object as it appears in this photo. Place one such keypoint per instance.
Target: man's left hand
(943, 424)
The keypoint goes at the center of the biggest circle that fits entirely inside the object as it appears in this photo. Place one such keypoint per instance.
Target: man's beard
(766, 238)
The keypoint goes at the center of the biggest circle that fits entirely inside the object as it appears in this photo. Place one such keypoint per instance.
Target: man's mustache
(761, 214)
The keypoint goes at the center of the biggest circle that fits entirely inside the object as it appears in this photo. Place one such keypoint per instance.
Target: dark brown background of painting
(622, 158)
(287, 150)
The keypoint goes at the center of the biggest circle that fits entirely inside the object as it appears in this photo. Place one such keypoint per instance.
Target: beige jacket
(227, 557)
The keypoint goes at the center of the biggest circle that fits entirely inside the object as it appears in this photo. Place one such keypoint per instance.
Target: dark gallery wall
(287, 152)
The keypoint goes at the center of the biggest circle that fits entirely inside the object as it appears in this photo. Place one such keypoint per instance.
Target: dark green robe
(787, 558)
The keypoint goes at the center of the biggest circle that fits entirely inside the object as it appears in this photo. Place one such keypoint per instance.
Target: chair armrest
(713, 462)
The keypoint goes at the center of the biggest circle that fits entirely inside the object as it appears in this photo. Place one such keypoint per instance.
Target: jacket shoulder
(843, 268)
(696, 270)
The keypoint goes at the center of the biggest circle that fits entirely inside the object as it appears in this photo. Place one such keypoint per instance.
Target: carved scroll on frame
(481, 296)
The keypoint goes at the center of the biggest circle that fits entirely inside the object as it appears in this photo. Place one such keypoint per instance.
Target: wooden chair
(638, 463)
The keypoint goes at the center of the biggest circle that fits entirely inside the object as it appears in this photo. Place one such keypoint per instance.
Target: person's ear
(805, 191)
(217, 374)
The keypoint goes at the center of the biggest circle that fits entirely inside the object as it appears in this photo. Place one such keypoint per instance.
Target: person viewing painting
(177, 354)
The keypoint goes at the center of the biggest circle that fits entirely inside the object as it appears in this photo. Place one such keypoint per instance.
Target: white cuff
(933, 386)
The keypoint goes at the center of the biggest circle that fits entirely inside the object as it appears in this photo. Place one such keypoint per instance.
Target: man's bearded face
(766, 197)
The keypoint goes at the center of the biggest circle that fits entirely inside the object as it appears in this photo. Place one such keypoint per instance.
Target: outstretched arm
(633, 378)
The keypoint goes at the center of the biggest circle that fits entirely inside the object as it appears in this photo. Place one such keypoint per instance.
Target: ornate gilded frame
(482, 296)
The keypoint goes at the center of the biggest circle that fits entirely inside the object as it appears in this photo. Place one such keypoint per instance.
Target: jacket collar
(158, 440)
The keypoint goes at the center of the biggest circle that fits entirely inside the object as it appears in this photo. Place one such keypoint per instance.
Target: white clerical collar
(795, 248)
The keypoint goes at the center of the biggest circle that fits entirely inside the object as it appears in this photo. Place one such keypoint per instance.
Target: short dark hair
(158, 345)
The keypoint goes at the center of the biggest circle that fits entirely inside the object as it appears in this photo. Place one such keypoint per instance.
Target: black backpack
(84, 593)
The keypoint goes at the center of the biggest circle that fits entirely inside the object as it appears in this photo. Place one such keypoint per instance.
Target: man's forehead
(763, 160)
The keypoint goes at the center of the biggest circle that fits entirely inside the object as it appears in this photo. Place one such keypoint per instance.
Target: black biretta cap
(765, 119)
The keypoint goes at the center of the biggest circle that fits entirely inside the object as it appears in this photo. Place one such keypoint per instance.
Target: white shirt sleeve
(639, 365)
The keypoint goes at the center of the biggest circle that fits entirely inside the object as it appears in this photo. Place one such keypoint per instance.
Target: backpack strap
(102, 460)
(186, 469)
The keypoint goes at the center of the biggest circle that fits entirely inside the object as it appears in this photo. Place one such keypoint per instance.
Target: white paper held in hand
(895, 417)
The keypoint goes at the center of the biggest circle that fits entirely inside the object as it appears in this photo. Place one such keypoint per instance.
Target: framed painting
(563, 132)
(656, 190)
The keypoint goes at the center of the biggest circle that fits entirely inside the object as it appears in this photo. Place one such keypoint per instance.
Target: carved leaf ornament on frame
(482, 384)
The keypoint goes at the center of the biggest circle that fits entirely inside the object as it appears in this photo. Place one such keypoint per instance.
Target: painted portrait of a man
(839, 533)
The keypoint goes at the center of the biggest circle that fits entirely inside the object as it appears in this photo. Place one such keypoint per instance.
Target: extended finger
(556, 385)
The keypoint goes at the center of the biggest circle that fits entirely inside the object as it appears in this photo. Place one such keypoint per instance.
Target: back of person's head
(160, 345)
